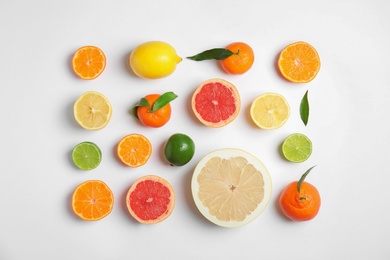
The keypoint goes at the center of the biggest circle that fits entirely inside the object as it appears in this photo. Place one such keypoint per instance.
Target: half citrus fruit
(270, 111)
(299, 62)
(297, 147)
(216, 102)
(86, 156)
(134, 150)
(231, 187)
(150, 199)
(88, 62)
(92, 110)
(92, 200)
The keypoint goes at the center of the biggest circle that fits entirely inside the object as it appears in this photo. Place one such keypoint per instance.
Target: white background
(348, 125)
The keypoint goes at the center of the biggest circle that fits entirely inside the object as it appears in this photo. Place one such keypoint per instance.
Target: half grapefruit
(216, 102)
(231, 187)
(150, 199)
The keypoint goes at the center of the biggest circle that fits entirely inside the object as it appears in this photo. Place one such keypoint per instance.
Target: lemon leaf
(303, 178)
(212, 54)
(163, 100)
(304, 108)
(141, 103)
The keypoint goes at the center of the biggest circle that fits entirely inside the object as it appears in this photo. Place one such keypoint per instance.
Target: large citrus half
(231, 187)
(216, 102)
(150, 199)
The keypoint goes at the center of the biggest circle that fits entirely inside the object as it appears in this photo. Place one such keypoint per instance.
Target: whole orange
(241, 60)
(300, 206)
(157, 118)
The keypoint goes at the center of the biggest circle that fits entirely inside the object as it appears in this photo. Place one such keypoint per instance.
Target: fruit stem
(301, 181)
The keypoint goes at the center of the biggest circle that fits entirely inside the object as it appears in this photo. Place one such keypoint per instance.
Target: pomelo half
(150, 199)
(231, 187)
(216, 102)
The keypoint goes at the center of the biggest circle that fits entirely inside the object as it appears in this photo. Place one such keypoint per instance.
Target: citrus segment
(231, 187)
(299, 62)
(297, 147)
(88, 62)
(150, 199)
(153, 60)
(92, 200)
(134, 150)
(92, 110)
(216, 102)
(270, 111)
(240, 61)
(86, 156)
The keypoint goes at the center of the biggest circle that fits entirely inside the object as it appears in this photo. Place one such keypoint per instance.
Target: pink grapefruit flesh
(216, 102)
(150, 199)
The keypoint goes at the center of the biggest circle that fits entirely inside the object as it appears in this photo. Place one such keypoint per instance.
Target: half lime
(86, 156)
(297, 148)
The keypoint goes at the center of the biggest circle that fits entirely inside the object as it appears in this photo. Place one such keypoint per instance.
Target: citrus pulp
(216, 102)
(297, 147)
(88, 62)
(134, 150)
(150, 199)
(92, 110)
(270, 111)
(231, 187)
(299, 62)
(86, 156)
(92, 200)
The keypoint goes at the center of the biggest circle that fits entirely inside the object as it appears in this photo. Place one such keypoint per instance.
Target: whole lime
(179, 149)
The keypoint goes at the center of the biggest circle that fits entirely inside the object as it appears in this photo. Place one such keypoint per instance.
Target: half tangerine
(299, 62)
(92, 200)
(88, 62)
(134, 150)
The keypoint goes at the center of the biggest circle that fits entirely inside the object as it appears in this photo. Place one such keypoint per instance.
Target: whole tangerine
(240, 61)
(156, 118)
(300, 200)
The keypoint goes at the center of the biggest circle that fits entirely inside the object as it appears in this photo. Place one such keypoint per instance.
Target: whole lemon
(153, 60)
(179, 149)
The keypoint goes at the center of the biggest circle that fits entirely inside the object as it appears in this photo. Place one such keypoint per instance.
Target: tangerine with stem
(300, 200)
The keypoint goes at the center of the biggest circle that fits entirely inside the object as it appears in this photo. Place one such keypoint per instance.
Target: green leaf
(303, 178)
(304, 108)
(163, 100)
(142, 103)
(212, 54)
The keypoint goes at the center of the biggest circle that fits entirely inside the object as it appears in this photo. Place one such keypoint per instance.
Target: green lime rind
(86, 156)
(297, 148)
(179, 149)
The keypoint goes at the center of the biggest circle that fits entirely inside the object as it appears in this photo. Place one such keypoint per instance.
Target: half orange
(92, 200)
(299, 62)
(134, 150)
(88, 62)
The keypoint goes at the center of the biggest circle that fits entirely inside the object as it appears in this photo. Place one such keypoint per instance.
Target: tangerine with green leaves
(154, 110)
